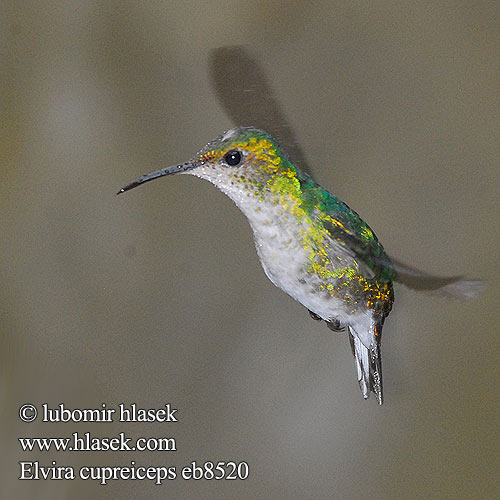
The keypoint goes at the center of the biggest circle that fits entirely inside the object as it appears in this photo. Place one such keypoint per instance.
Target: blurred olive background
(157, 296)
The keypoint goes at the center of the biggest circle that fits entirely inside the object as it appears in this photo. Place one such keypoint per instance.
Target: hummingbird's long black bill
(176, 169)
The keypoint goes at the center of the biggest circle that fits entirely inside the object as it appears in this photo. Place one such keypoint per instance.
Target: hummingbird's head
(243, 161)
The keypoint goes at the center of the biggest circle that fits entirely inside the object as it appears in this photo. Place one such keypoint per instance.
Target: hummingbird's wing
(452, 287)
(362, 243)
(247, 97)
(351, 236)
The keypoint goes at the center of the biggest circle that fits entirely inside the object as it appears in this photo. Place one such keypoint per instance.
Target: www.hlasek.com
(84, 441)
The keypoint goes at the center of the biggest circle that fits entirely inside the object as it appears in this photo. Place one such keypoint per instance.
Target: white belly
(286, 262)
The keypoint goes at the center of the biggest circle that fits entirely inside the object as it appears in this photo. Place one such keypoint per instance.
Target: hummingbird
(310, 243)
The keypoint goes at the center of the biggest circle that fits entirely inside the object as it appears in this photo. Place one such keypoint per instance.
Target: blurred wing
(356, 238)
(453, 287)
(247, 97)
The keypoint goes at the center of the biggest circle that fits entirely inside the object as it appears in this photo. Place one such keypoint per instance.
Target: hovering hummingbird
(310, 243)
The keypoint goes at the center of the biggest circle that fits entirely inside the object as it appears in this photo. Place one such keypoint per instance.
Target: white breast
(285, 261)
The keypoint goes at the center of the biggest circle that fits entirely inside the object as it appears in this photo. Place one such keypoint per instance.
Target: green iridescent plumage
(310, 243)
(364, 273)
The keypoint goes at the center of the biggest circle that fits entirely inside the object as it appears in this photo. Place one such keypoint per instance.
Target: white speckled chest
(284, 259)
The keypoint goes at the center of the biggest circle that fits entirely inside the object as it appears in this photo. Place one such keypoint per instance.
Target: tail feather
(368, 363)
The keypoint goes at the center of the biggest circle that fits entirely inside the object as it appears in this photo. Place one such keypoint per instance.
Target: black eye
(232, 158)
